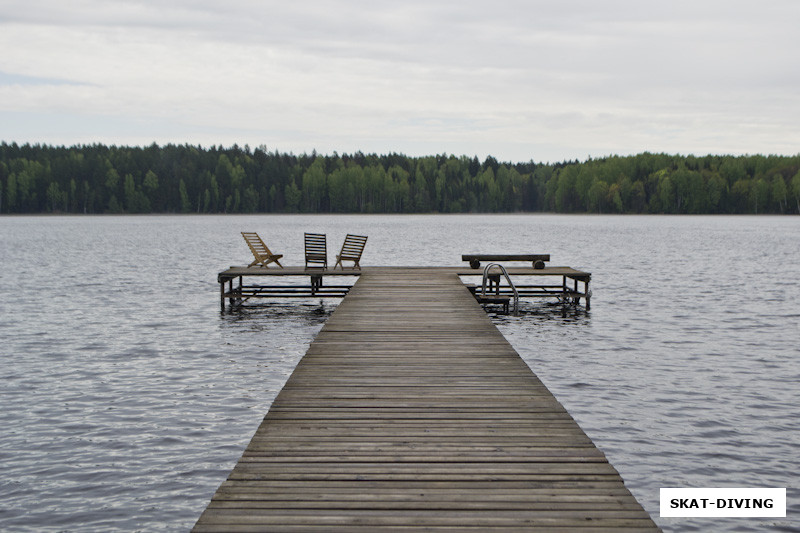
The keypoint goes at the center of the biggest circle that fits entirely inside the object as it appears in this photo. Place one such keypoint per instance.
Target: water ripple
(128, 396)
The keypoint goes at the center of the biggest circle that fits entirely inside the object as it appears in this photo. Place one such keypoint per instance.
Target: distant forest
(189, 179)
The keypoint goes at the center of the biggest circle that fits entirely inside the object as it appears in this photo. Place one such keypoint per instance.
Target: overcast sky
(519, 80)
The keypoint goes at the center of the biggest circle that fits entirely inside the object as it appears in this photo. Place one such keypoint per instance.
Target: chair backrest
(353, 246)
(256, 245)
(316, 248)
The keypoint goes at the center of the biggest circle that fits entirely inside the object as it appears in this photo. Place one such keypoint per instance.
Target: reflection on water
(531, 313)
(262, 314)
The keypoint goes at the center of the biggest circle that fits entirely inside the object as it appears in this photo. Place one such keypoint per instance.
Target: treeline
(188, 179)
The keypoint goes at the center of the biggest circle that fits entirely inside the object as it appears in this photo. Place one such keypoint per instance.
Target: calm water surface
(127, 397)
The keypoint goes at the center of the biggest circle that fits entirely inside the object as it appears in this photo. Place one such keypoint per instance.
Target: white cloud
(513, 79)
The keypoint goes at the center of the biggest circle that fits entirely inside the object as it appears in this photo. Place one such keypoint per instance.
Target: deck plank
(411, 411)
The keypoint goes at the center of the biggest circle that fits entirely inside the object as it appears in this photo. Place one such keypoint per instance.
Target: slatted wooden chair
(262, 254)
(316, 250)
(352, 249)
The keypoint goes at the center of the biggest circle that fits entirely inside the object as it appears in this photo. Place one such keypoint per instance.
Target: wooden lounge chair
(316, 250)
(352, 249)
(262, 255)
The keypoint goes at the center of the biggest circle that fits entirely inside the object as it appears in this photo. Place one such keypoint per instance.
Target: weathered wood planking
(238, 293)
(410, 411)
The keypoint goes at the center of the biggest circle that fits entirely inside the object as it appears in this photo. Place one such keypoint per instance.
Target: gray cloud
(547, 80)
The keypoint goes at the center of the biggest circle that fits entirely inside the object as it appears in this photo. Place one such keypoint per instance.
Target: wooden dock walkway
(236, 291)
(410, 411)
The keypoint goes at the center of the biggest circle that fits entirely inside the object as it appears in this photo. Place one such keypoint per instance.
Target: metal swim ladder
(508, 279)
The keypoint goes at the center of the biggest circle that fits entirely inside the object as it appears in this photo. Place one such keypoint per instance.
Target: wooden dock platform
(329, 282)
(410, 411)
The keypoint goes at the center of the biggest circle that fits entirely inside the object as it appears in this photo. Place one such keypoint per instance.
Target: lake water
(127, 396)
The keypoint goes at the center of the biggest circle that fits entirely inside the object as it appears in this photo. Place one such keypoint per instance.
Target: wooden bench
(537, 260)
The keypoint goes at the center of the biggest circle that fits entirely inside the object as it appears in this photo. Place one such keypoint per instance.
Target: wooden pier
(410, 411)
(559, 282)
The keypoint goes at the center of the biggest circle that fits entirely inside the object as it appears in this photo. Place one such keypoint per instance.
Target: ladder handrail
(508, 279)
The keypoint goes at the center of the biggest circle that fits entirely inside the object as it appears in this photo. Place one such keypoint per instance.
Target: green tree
(26, 198)
(372, 189)
(215, 195)
(293, 196)
(666, 194)
(273, 198)
(597, 196)
(420, 191)
(638, 201)
(54, 197)
(396, 181)
(511, 183)
(614, 199)
(238, 176)
(224, 175)
(114, 206)
(779, 192)
(73, 196)
(796, 189)
(696, 201)
(716, 190)
(86, 197)
(403, 195)
(130, 192)
(424, 175)
(112, 179)
(583, 182)
(566, 197)
(249, 200)
(740, 196)
(625, 186)
(236, 206)
(314, 186)
(759, 195)
(680, 189)
(341, 188)
(11, 194)
(151, 181)
(482, 183)
(135, 199)
(150, 189)
(732, 170)
(186, 205)
(142, 179)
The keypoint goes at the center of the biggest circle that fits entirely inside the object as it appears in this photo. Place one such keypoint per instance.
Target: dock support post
(588, 294)
(316, 284)
(222, 295)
